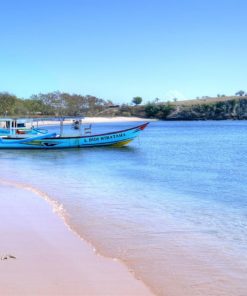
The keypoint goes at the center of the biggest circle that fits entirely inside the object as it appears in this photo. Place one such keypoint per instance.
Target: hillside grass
(204, 101)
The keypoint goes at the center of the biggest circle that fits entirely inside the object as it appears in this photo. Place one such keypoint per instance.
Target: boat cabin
(14, 126)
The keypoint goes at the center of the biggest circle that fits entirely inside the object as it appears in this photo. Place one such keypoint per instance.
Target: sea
(171, 206)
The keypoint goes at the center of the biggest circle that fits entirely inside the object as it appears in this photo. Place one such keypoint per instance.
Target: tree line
(53, 104)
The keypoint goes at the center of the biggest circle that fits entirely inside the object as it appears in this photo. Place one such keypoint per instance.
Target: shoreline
(50, 258)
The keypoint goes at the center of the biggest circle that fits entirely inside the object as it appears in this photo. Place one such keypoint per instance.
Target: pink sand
(51, 259)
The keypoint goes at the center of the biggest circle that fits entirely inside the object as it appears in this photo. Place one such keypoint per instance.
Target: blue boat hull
(116, 139)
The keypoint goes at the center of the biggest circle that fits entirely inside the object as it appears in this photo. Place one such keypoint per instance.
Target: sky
(119, 49)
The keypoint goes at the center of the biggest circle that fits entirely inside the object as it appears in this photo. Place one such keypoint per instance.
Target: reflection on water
(169, 201)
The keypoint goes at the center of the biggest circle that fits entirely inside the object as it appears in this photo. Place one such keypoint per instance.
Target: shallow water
(172, 205)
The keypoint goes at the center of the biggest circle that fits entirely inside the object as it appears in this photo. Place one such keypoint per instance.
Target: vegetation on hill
(205, 109)
(229, 109)
(58, 103)
(160, 111)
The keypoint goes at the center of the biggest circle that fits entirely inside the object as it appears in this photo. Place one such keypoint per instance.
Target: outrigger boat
(35, 138)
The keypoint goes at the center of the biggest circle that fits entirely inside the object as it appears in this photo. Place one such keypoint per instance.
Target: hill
(234, 107)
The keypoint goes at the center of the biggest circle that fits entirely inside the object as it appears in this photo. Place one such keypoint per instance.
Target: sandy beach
(50, 258)
(87, 120)
(116, 119)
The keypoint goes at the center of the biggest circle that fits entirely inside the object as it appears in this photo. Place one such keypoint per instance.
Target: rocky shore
(221, 110)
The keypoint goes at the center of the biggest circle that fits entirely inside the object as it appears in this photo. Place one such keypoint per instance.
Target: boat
(52, 140)
(23, 127)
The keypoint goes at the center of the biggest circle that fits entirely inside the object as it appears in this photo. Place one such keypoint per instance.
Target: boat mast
(11, 127)
(80, 129)
(61, 127)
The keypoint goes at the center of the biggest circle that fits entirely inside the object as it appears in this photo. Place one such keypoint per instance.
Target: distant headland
(60, 104)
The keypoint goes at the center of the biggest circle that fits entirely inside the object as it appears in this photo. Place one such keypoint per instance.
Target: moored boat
(53, 140)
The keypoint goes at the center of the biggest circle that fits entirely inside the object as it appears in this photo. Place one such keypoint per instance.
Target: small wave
(56, 206)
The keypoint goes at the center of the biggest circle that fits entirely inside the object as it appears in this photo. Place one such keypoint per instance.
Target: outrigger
(36, 138)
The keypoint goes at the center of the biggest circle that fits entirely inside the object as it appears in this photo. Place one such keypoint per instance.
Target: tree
(240, 93)
(137, 100)
(30, 106)
(160, 111)
(165, 110)
(152, 109)
(7, 103)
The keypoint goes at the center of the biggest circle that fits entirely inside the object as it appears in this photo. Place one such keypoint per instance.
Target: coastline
(51, 259)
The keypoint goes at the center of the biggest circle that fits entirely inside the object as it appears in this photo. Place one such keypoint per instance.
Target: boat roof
(36, 119)
(58, 118)
(4, 119)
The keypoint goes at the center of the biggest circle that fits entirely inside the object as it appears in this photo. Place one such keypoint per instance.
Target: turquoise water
(171, 205)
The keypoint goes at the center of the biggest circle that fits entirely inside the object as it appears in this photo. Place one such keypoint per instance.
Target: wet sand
(50, 258)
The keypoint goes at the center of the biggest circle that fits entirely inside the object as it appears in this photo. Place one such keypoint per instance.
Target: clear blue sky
(118, 49)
